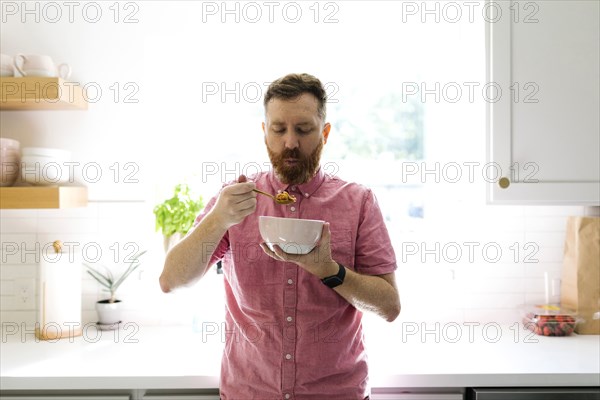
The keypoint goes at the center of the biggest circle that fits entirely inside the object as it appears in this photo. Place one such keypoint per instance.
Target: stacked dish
(10, 158)
(44, 166)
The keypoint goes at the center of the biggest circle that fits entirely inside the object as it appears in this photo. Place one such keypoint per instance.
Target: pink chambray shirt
(288, 336)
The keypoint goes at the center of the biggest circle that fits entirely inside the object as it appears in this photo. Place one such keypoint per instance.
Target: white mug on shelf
(6, 65)
(36, 65)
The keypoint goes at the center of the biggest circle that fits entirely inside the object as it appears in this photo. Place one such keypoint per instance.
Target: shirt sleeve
(222, 247)
(374, 254)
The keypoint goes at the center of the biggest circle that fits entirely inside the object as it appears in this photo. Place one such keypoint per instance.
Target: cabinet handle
(504, 182)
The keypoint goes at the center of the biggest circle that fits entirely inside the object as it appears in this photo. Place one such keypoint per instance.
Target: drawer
(416, 396)
(536, 394)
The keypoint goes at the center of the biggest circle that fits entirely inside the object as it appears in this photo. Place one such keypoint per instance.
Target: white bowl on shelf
(57, 154)
(44, 171)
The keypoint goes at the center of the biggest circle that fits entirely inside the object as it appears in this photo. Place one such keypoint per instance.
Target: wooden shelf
(35, 93)
(43, 197)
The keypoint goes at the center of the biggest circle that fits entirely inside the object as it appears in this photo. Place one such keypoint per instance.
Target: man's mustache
(290, 153)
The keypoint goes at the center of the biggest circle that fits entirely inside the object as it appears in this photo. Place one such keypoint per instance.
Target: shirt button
(288, 356)
(289, 319)
(293, 208)
(290, 281)
(306, 195)
(294, 188)
(287, 396)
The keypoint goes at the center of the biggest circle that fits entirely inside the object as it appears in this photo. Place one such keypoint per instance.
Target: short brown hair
(293, 85)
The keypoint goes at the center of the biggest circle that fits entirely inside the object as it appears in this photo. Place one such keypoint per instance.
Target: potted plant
(109, 310)
(175, 216)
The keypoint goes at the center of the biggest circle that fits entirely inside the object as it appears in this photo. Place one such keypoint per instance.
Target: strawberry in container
(550, 320)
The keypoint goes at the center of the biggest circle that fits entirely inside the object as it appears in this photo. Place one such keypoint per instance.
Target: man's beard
(300, 173)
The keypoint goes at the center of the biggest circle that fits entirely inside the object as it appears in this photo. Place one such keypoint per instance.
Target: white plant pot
(109, 314)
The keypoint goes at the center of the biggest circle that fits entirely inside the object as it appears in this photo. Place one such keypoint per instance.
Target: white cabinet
(65, 397)
(543, 103)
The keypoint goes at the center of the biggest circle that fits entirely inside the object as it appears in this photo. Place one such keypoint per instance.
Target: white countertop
(181, 357)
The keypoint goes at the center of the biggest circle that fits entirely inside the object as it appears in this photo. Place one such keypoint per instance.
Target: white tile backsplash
(18, 317)
(548, 239)
(535, 270)
(552, 211)
(545, 255)
(16, 271)
(75, 225)
(9, 213)
(19, 225)
(442, 288)
(479, 285)
(546, 223)
(90, 211)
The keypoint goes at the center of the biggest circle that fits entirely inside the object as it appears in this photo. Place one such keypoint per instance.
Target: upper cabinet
(36, 93)
(543, 117)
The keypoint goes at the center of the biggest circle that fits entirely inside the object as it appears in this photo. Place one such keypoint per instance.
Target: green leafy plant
(106, 278)
(178, 213)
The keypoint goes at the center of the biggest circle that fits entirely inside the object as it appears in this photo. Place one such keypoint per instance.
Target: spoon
(281, 198)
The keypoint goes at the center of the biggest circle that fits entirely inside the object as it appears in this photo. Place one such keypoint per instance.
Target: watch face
(333, 281)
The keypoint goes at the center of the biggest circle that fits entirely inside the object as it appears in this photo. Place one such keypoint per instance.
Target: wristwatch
(337, 279)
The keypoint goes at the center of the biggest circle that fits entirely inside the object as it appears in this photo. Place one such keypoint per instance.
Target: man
(293, 322)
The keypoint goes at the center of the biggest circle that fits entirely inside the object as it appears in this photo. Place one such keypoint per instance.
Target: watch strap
(337, 279)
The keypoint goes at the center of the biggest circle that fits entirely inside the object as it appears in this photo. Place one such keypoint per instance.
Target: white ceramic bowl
(294, 236)
(39, 170)
(57, 154)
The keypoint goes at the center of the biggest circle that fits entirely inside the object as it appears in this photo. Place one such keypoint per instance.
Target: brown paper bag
(580, 284)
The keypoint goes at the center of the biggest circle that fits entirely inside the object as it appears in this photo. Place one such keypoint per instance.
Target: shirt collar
(306, 189)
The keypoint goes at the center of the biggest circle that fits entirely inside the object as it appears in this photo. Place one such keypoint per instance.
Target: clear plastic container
(550, 320)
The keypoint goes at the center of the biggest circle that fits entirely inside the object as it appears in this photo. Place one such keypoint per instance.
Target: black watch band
(337, 279)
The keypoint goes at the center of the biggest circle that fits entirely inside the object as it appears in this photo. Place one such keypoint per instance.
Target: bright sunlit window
(405, 98)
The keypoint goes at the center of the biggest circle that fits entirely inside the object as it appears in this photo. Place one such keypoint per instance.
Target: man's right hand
(235, 203)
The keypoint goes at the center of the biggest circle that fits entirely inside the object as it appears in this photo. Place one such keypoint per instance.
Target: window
(405, 88)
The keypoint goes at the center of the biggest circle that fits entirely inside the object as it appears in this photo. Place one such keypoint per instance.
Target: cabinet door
(66, 397)
(536, 394)
(544, 102)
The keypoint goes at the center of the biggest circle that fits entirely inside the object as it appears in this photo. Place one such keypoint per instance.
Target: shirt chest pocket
(342, 247)
(255, 269)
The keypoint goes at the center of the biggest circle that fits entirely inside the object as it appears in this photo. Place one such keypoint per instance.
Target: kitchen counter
(421, 355)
